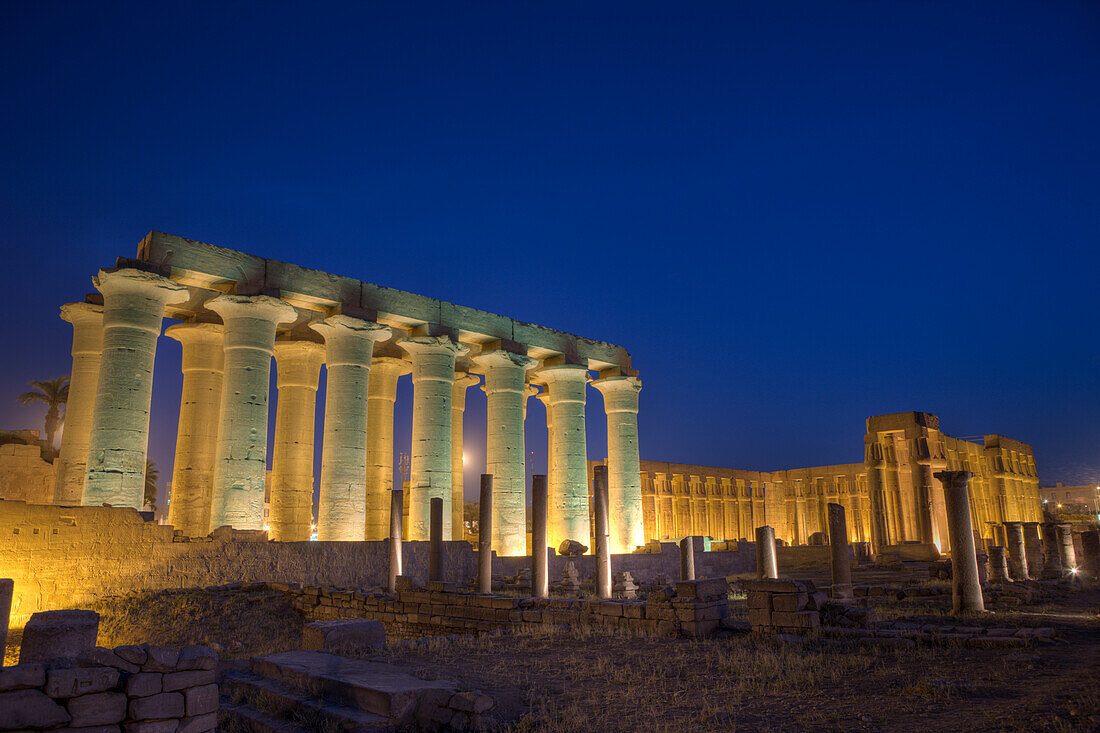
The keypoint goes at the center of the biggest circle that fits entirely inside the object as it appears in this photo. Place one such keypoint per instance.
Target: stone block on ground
(22, 676)
(702, 590)
(101, 657)
(29, 708)
(348, 633)
(58, 636)
(157, 707)
(101, 708)
(77, 681)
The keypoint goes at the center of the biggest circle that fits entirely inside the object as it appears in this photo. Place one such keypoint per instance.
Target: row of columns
(219, 471)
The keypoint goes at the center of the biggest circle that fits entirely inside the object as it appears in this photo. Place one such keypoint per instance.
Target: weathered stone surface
(156, 707)
(707, 589)
(102, 708)
(199, 723)
(199, 701)
(151, 726)
(22, 676)
(58, 635)
(180, 680)
(101, 657)
(132, 654)
(78, 681)
(344, 633)
(29, 708)
(160, 659)
(145, 684)
(197, 657)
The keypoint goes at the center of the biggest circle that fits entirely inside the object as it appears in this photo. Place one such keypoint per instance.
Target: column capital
(391, 365)
(299, 362)
(465, 380)
(82, 312)
(350, 340)
(257, 307)
(433, 344)
(193, 332)
(499, 357)
(563, 374)
(149, 284)
(620, 394)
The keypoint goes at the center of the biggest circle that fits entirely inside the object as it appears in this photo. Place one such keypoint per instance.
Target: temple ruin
(237, 312)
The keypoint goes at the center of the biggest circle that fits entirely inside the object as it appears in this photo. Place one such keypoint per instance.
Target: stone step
(283, 701)
(378, 688)
(236, 717)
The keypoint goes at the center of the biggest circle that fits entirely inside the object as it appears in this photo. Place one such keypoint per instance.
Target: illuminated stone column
(133, 307)
(1033, 548)
(1066, 553)
(433, 374)
(298, 370)
(1051, 566)
(381, 396)
(924, 494)
(241, 460)
(349, 346)
(568, 454)
(620, 399)
(544, 397)
(72, 460)
(203, 365)
(966, 589)
(463, 381)
(840, 551)
(505, 392)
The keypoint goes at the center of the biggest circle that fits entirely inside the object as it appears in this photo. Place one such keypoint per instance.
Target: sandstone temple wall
(67, 557)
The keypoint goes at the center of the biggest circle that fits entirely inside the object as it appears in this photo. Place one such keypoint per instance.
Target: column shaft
(766, 565)
(568, 512)
(381, 397)
(463, 381)
(485, 536)
(203, 364)
(540, 567)
(133, 306)
(842, 564)
(620, 398)
(433, 373)
(687, 558)
(349, 346)
(1033, 549)
(1066, 554)
(966, 589)
(396, 511)
(240, 464)
(72, 460)
(1017, 550)
(505, 375)
(298, 368)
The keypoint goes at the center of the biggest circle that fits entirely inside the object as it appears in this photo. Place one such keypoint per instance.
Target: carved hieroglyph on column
(133, 307)
(72, 460)
(506, 393)
(568, 454)
(241, 460)
(463, 381)
(433, 374)
(298, 367)
(381, 396)
(349, 347)
(620, 399)
(203, 364)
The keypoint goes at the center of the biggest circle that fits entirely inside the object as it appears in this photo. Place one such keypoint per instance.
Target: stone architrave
(505, 392)
(240, 463)
(133, 308)
(568, 511)
(433, 374)
(381, 397)
(540, 566)
(620, 398)
(841, 562)
(766, 564)
(463, 381)
(349, 348)
(203, 366)
(966, 589)
(1017, 550)
(298, 370)
(87, 351)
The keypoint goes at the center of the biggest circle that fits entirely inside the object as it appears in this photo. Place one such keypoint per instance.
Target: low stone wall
(696, 609)
(67, 557)
(646, 566)
(139, 689)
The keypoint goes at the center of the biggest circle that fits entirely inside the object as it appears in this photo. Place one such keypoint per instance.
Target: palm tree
(151, 476)
(55, 393)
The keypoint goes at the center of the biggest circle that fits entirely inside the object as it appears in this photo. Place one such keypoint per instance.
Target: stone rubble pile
(784, 606)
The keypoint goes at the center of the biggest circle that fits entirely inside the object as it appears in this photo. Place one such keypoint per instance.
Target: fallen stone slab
(344, 634)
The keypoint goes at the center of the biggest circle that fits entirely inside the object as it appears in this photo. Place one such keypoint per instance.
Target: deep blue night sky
(794, 215)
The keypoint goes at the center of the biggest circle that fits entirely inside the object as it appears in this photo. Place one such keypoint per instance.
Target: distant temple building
(892, 499)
